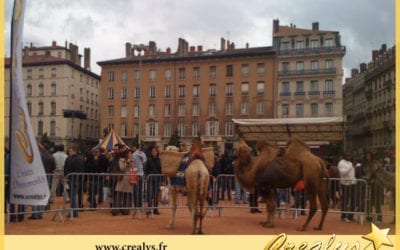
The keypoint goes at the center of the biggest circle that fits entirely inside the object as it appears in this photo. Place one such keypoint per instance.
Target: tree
(45, 141)
(175, 139)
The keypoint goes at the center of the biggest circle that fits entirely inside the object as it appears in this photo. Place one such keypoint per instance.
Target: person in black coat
(153, 167)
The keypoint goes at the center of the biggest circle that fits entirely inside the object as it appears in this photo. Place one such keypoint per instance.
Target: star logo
(378, 237)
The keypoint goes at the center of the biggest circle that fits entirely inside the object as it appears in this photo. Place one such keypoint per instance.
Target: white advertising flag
(28, 182)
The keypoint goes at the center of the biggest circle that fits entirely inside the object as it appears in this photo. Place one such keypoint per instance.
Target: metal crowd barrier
(97, 191)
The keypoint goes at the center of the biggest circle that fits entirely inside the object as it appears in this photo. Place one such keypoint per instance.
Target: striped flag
(28, 182)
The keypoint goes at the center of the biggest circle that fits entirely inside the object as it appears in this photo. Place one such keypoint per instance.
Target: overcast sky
(106, 25)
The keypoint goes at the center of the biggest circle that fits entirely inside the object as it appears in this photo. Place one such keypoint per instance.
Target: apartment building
(197, 92)
(309, 72)
(62, 95)
(370, 123)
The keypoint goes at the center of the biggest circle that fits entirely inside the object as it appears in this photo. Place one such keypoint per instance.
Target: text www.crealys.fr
(143, 246)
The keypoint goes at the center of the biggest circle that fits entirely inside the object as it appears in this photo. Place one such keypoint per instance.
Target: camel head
(243, 164)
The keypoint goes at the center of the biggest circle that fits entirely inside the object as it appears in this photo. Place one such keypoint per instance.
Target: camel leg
(270, 202)
(202, 213)
(174, 193)
(313, 209)
(324, 206)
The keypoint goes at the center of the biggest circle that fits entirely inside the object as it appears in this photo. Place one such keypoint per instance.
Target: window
(285, 66)
(181, 91)
(29, 106)
(196, 73)
(167, 110)
(229, 128)
(285, 87)
(152, 75)
(245, 70)
(137, 93)
(285, 110)
(124, 112)
(110, 93)
(195, 109)
(124, 93)
(123, 129)
(152, 129)
(328, 109)
(314, 109)
(41, 89)
(260, 69)
(314, 44)
(299, 87)
(314, 85)
(167, 129)
(244, 108)
(213, 89)
(213, 72)
(124, 76)
(52, 128)
(229, 89)
(299, 110)
(285, 46)
(110, 111)
(29, 90)
(329, 85)
(299, 65)
(328, 63)
(135, 129)
(167, 91)
(196, 90)
(168, 75)
(260, 88)
(41, 73)
(181, 110)
(182, 73)
(228, 108)
(152, 92)
(181, 129)
(152, 110)
(245, 88)
(229, 70)
(29, 74)
(53, 72)
(195, 129)
(329, 42)
(314, 65)
(53, 108)
(40, 128)
(212, 128)
(260, 108)
(136, 111)
(212, 109)
(137, 75)
(299, 44)
(110, 76)
(53, 89)
(40, 108)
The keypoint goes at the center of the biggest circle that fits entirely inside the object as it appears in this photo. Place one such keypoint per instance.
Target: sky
(105, 26)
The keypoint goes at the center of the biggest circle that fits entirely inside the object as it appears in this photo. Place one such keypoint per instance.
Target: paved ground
(232, 221)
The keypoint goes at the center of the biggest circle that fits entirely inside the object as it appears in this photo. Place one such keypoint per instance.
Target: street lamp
(139, 47)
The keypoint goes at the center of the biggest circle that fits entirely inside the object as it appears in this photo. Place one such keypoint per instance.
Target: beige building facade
(56, 84)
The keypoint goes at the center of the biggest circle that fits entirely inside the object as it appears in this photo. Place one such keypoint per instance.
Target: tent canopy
(110, 140)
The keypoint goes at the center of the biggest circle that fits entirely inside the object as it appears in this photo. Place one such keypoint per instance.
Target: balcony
(314, 93)
(311, 51)
(300, 93)
(307, 72)
(285, 94)
(328, 93)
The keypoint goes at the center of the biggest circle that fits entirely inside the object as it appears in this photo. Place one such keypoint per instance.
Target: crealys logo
(374, 240)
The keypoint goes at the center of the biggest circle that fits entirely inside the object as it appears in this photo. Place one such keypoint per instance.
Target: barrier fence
(126, 194)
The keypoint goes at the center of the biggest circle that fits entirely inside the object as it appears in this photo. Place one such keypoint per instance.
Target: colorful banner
(28, 179)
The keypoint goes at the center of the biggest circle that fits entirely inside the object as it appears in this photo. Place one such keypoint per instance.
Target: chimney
(354, 72)
(315, 26)
(128, 49)
(363, 67)
(86, 58)
(383, 48)
(54, 44)
(228, 45)
(168, 51)
(375, 54)
(247, 45)
(222, 44)
(275, 26)
(192, 49)
(199, 48)
(232, 45)
(152, 47)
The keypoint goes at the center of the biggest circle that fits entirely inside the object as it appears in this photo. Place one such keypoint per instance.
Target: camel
(196, 177)
(269, 171)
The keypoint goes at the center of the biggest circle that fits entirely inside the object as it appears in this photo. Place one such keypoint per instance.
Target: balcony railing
(328, 93)
(286, 94)
(291, 52)
(300, 93)
(314, 93)
(307, 72)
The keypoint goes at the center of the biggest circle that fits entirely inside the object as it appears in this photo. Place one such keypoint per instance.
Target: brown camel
(269, 171)
(197, 179)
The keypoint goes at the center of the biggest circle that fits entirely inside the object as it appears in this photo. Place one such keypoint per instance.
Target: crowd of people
(111, 170)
